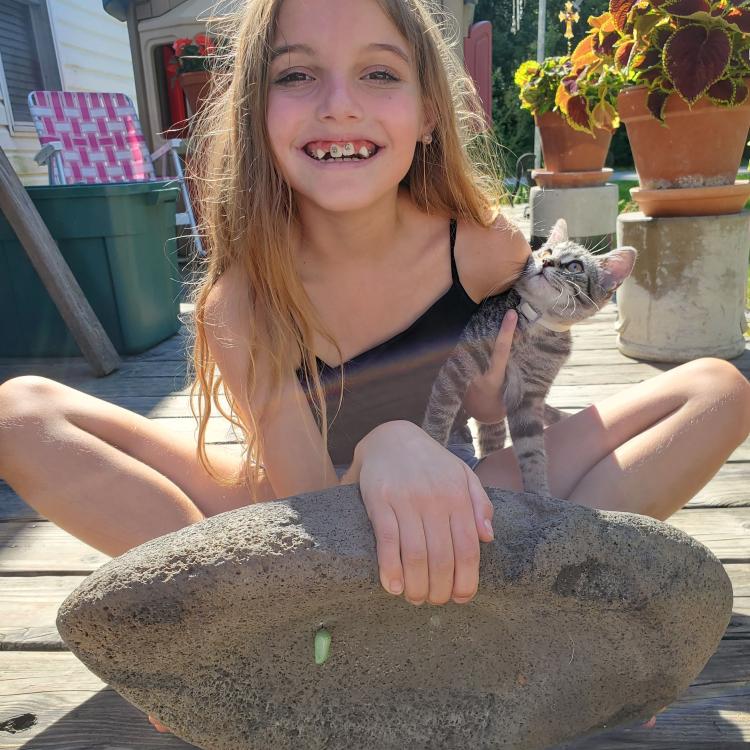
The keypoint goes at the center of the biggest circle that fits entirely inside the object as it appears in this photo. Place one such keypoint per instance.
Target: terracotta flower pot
(698, 147)
(195, 84)
(568, 150)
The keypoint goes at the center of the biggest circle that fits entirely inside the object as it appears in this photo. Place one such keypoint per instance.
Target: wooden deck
(50, 700)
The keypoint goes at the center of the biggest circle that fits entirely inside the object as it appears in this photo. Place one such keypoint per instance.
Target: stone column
(590, 212)
(686, 296)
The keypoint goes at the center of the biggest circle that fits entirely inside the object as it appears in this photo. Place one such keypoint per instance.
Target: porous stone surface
(584, 619)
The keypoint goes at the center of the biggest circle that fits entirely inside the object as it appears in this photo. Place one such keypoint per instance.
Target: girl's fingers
(387, 540)
(466, 555)
(503, 342)
(414, 558)
(440, 562)
(481, 505)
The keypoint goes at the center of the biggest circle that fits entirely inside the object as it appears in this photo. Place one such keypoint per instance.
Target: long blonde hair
(248, 210)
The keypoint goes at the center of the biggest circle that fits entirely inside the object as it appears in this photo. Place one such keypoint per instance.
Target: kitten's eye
(575, 266)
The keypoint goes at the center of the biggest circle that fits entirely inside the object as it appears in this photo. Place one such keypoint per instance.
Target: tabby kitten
(561, 284)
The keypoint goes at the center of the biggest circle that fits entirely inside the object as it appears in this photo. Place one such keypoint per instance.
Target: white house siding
(93, 54)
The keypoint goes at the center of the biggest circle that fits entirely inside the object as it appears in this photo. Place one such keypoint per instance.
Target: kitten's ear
(615, 267)
(559, 233)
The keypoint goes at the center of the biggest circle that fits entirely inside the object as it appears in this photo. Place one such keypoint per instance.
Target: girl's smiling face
(342, 82)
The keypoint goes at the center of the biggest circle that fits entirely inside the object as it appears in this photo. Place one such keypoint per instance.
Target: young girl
(376, 261)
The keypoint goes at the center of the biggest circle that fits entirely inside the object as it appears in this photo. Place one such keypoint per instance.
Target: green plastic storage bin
(119, 241)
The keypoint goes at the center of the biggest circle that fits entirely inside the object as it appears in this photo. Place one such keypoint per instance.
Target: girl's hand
(483, 399)
(428, 511)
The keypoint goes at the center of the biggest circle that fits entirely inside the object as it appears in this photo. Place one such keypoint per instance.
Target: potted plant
(574, 109)
(195, 58)
(686, 106)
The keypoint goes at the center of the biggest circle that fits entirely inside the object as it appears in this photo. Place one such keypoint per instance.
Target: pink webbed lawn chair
(97, 138)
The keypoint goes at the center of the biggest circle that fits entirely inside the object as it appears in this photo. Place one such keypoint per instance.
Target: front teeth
(347, 152)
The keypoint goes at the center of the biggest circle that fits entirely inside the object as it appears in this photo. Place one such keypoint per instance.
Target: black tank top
(393, 380)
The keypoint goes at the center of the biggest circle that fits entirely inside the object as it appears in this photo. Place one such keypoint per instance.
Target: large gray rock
(584, 619)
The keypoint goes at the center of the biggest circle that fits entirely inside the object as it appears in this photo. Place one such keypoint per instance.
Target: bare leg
(646, 450)
(110, 477)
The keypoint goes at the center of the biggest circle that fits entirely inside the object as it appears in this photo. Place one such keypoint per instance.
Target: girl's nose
(339, 100)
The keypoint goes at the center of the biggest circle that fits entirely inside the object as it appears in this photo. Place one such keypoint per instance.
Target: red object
(478, 62)
(177, 126)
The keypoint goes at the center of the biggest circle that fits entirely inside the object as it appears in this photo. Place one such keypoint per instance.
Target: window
(27, 55)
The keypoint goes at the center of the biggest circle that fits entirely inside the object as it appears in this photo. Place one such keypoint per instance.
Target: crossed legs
(648, 449)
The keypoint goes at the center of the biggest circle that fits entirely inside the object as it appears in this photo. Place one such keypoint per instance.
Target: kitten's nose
(547, 262)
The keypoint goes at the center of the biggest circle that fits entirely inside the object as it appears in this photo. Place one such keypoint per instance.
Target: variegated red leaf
(655, 103)
(622, 54)
(687, 7)
(662, 35)
(620, 10)
(562, 97)
(604, 22)
(739, 18)
(570, 84)
(648, 60)
(607, 43)
(584, 53)
(722, 91)
(578, 113)
(695, 57)
(740, 94)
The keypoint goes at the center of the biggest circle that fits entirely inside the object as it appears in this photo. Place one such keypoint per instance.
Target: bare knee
(27, 396)
(27, 404)
(726, 387)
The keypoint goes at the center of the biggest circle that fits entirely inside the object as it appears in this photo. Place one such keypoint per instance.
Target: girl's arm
(289, 438)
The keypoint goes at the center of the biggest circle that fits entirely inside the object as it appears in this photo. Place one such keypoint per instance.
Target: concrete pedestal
(590, 212)
(686, 296)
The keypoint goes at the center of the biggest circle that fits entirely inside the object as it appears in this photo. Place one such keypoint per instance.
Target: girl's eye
(295, 76)
(383, 75)
(574, 266)
(298, 76)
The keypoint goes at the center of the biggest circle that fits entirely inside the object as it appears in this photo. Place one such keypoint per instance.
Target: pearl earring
(427, 139)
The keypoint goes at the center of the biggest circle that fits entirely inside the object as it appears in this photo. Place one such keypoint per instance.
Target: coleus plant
(693, 48)
(584, 96)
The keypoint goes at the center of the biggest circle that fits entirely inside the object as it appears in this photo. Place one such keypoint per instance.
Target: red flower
(179, 45)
